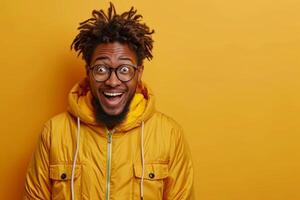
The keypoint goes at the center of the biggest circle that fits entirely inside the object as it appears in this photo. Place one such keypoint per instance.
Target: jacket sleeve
(179, 184)
(37, 182)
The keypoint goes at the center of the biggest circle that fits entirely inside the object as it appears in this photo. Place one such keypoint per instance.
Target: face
(113, 95)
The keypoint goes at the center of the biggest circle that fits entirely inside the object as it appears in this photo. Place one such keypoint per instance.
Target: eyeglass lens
(123, 72)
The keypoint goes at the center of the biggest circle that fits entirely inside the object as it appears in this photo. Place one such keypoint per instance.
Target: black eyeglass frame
(112, 69)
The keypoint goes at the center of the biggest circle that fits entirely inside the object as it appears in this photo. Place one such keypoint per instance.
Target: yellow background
(227, 71)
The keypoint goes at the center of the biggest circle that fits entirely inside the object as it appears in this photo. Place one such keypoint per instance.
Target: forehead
(113, 52)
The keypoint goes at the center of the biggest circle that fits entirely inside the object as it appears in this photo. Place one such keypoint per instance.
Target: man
(112, 143)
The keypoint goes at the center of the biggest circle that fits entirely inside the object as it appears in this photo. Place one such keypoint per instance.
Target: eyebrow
(101, 58)
(107, 58)
(125, 58)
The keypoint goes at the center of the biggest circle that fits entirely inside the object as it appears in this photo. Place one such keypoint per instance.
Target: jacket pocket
(60, 175)
(153, 184)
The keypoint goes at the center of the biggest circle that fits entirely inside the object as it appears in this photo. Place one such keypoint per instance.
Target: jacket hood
(141, 107)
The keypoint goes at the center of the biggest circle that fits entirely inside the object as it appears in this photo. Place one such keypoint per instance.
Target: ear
(140, 72)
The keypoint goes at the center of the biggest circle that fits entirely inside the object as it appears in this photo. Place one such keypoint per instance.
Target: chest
(113, 165)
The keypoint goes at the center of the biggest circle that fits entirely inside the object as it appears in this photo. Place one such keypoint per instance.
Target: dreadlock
(112, 27)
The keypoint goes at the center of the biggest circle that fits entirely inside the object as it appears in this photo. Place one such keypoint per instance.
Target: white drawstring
(143, 161)
(75, 158)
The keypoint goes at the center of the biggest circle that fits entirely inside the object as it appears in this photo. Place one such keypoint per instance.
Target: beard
(110, 121)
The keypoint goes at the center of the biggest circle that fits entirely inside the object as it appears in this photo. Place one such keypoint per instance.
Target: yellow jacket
(144, 156)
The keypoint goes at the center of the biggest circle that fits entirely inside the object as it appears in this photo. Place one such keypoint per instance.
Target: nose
(113, 80)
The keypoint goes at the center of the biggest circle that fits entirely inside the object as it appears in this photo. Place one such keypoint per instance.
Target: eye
(124, 69)
(101, 69)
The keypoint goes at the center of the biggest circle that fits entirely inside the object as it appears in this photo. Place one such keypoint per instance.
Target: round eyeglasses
(124, 72)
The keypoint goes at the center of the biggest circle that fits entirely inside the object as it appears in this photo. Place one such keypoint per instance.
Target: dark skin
(114, 54)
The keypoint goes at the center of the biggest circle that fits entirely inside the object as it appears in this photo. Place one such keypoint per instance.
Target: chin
(113, 112)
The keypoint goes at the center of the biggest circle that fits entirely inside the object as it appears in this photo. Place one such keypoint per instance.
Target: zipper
(108, 163)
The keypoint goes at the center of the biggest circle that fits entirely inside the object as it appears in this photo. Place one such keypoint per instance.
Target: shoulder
(166, 125)
(59, 125)
(60, 118)
(54, 129)
(165, 120)
(61, 136)
(59, 121)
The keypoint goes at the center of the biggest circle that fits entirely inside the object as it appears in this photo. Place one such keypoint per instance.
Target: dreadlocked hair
(125, 28)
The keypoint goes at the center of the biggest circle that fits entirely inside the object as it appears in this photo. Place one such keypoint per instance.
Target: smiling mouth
(113, 99)
(112, 94)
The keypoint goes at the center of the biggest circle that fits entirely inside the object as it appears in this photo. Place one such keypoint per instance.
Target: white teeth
(112, 94)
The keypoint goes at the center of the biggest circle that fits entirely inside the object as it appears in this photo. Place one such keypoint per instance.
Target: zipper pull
(109, 135)
(109, 139)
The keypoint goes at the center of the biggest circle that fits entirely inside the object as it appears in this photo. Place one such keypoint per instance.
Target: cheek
(133, 86)
(94, 87)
